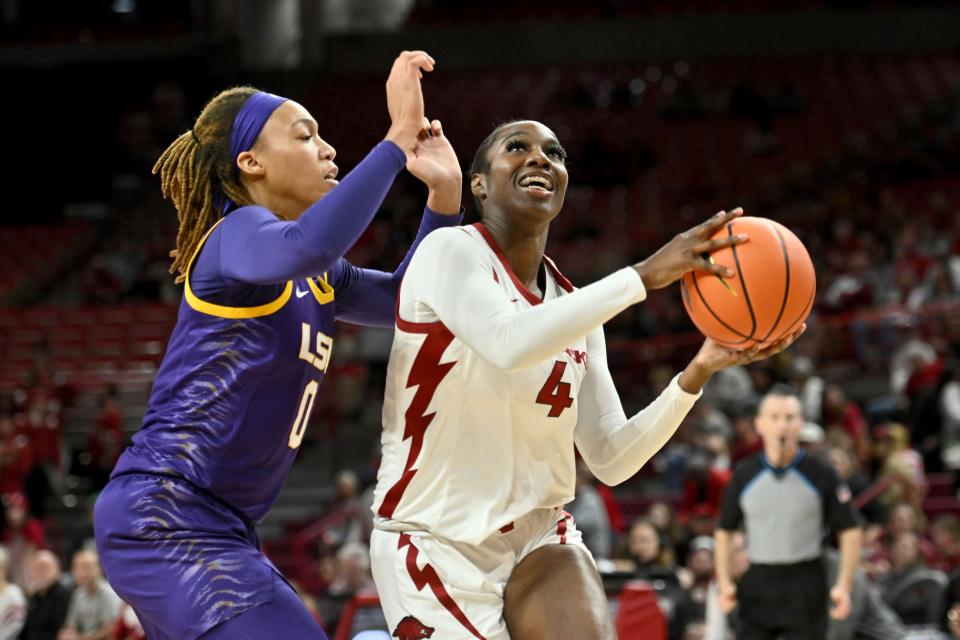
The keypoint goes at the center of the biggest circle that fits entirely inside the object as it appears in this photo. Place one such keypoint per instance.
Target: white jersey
(489, 386)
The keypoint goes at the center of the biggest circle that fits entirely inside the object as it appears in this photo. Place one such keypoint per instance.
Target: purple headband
(247, 127)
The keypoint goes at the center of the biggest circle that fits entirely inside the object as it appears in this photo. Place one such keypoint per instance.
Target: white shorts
(432, 587)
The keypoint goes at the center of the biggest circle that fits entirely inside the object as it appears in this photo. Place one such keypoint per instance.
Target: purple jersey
(234, 393)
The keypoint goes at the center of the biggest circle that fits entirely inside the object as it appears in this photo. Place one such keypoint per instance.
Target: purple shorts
(184, 560)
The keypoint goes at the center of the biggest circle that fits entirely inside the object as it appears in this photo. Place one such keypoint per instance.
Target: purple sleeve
(368, 296)
(256, 247)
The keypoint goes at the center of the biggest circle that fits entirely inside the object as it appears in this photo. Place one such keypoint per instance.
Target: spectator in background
(49, 598)
(870, 617)
(590, 514)
(913, 354)
(746, 441)
(695, 579)
(844, 415)
(731, 390)
(16, 458)
(900, 466)
(654, 563)
(13, 606)
(904, 519)
(653, 560)
(906, 567)
(953, 620)
(351, 577)
(812, 438)
(347, 501)
(22, 536)
(352, 571)
(701, 521)
(664, 519)
(949, 404)
(950, 620)
(945, 533)
(94, 607)
(809, 386)
(845, 464)
(718, 624)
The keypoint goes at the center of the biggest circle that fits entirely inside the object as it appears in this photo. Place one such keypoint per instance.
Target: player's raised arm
(271, 171)
(368, 296)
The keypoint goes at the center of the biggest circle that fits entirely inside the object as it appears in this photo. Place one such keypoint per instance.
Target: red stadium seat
(638, 615)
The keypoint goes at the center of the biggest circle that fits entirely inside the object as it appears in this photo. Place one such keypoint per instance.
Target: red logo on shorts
(412, 629)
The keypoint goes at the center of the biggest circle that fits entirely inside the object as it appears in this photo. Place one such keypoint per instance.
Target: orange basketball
(771, 295)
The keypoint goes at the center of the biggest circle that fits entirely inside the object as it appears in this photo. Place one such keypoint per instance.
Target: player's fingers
(417, 53)
(776, 347)
(420, 60)
(437, 128)
(709, 246)
(706, 264)
(717, 222)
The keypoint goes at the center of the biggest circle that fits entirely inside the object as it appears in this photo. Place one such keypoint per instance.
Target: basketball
(770, 296)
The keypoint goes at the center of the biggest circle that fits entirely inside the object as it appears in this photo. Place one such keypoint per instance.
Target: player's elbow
(612, 475)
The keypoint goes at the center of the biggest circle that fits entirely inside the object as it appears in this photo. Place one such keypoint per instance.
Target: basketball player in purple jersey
(264, 226)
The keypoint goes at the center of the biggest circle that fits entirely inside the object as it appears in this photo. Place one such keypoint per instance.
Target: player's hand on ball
(689, 251)
(840, 599)
(727, 597)
(713, 356)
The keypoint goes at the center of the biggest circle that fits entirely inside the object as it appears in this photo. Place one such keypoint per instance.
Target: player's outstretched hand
(713, 356)
(840, 599)
(405, 98)
(435, 163)
(689, 251)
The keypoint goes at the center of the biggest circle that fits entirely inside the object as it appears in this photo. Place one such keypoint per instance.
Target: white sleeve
(613, 447)
(451, 279)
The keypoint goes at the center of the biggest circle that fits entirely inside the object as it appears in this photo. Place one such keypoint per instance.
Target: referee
(785, 500)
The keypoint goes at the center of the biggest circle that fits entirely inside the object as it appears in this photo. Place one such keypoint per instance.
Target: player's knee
(555, 593)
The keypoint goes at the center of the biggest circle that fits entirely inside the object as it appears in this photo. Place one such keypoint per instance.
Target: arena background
(840, 119)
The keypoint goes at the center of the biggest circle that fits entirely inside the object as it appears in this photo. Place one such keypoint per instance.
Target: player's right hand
(688, 251)
(727, 597)
(405, 98)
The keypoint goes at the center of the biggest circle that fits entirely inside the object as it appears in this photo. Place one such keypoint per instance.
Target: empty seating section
(29, 253)
(89, 345)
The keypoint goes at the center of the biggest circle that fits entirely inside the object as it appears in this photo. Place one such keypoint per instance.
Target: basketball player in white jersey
(498, 368)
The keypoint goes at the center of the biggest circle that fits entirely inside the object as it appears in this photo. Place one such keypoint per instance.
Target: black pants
(786, 601)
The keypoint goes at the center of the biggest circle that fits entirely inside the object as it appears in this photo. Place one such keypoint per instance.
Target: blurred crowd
(878, 371)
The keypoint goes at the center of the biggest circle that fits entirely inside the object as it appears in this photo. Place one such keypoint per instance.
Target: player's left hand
(434, 162)
(714, 356)
(840, 598)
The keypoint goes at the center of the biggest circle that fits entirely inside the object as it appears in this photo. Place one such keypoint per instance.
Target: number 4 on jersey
(556, 393)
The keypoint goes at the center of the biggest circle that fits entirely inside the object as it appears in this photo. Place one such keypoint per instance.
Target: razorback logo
(412, 629)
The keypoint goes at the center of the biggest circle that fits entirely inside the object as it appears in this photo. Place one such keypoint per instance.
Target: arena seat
(638, 615)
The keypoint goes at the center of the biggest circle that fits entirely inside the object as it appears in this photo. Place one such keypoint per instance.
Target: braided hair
(197, 172)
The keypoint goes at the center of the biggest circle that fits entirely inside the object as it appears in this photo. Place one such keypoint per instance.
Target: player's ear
(247, 163)
(478, 186)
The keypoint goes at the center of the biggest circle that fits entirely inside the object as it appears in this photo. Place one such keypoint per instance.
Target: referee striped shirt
(785, 511)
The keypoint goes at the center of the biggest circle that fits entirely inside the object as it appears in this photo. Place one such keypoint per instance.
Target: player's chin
(323, 188)
(546, 208)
